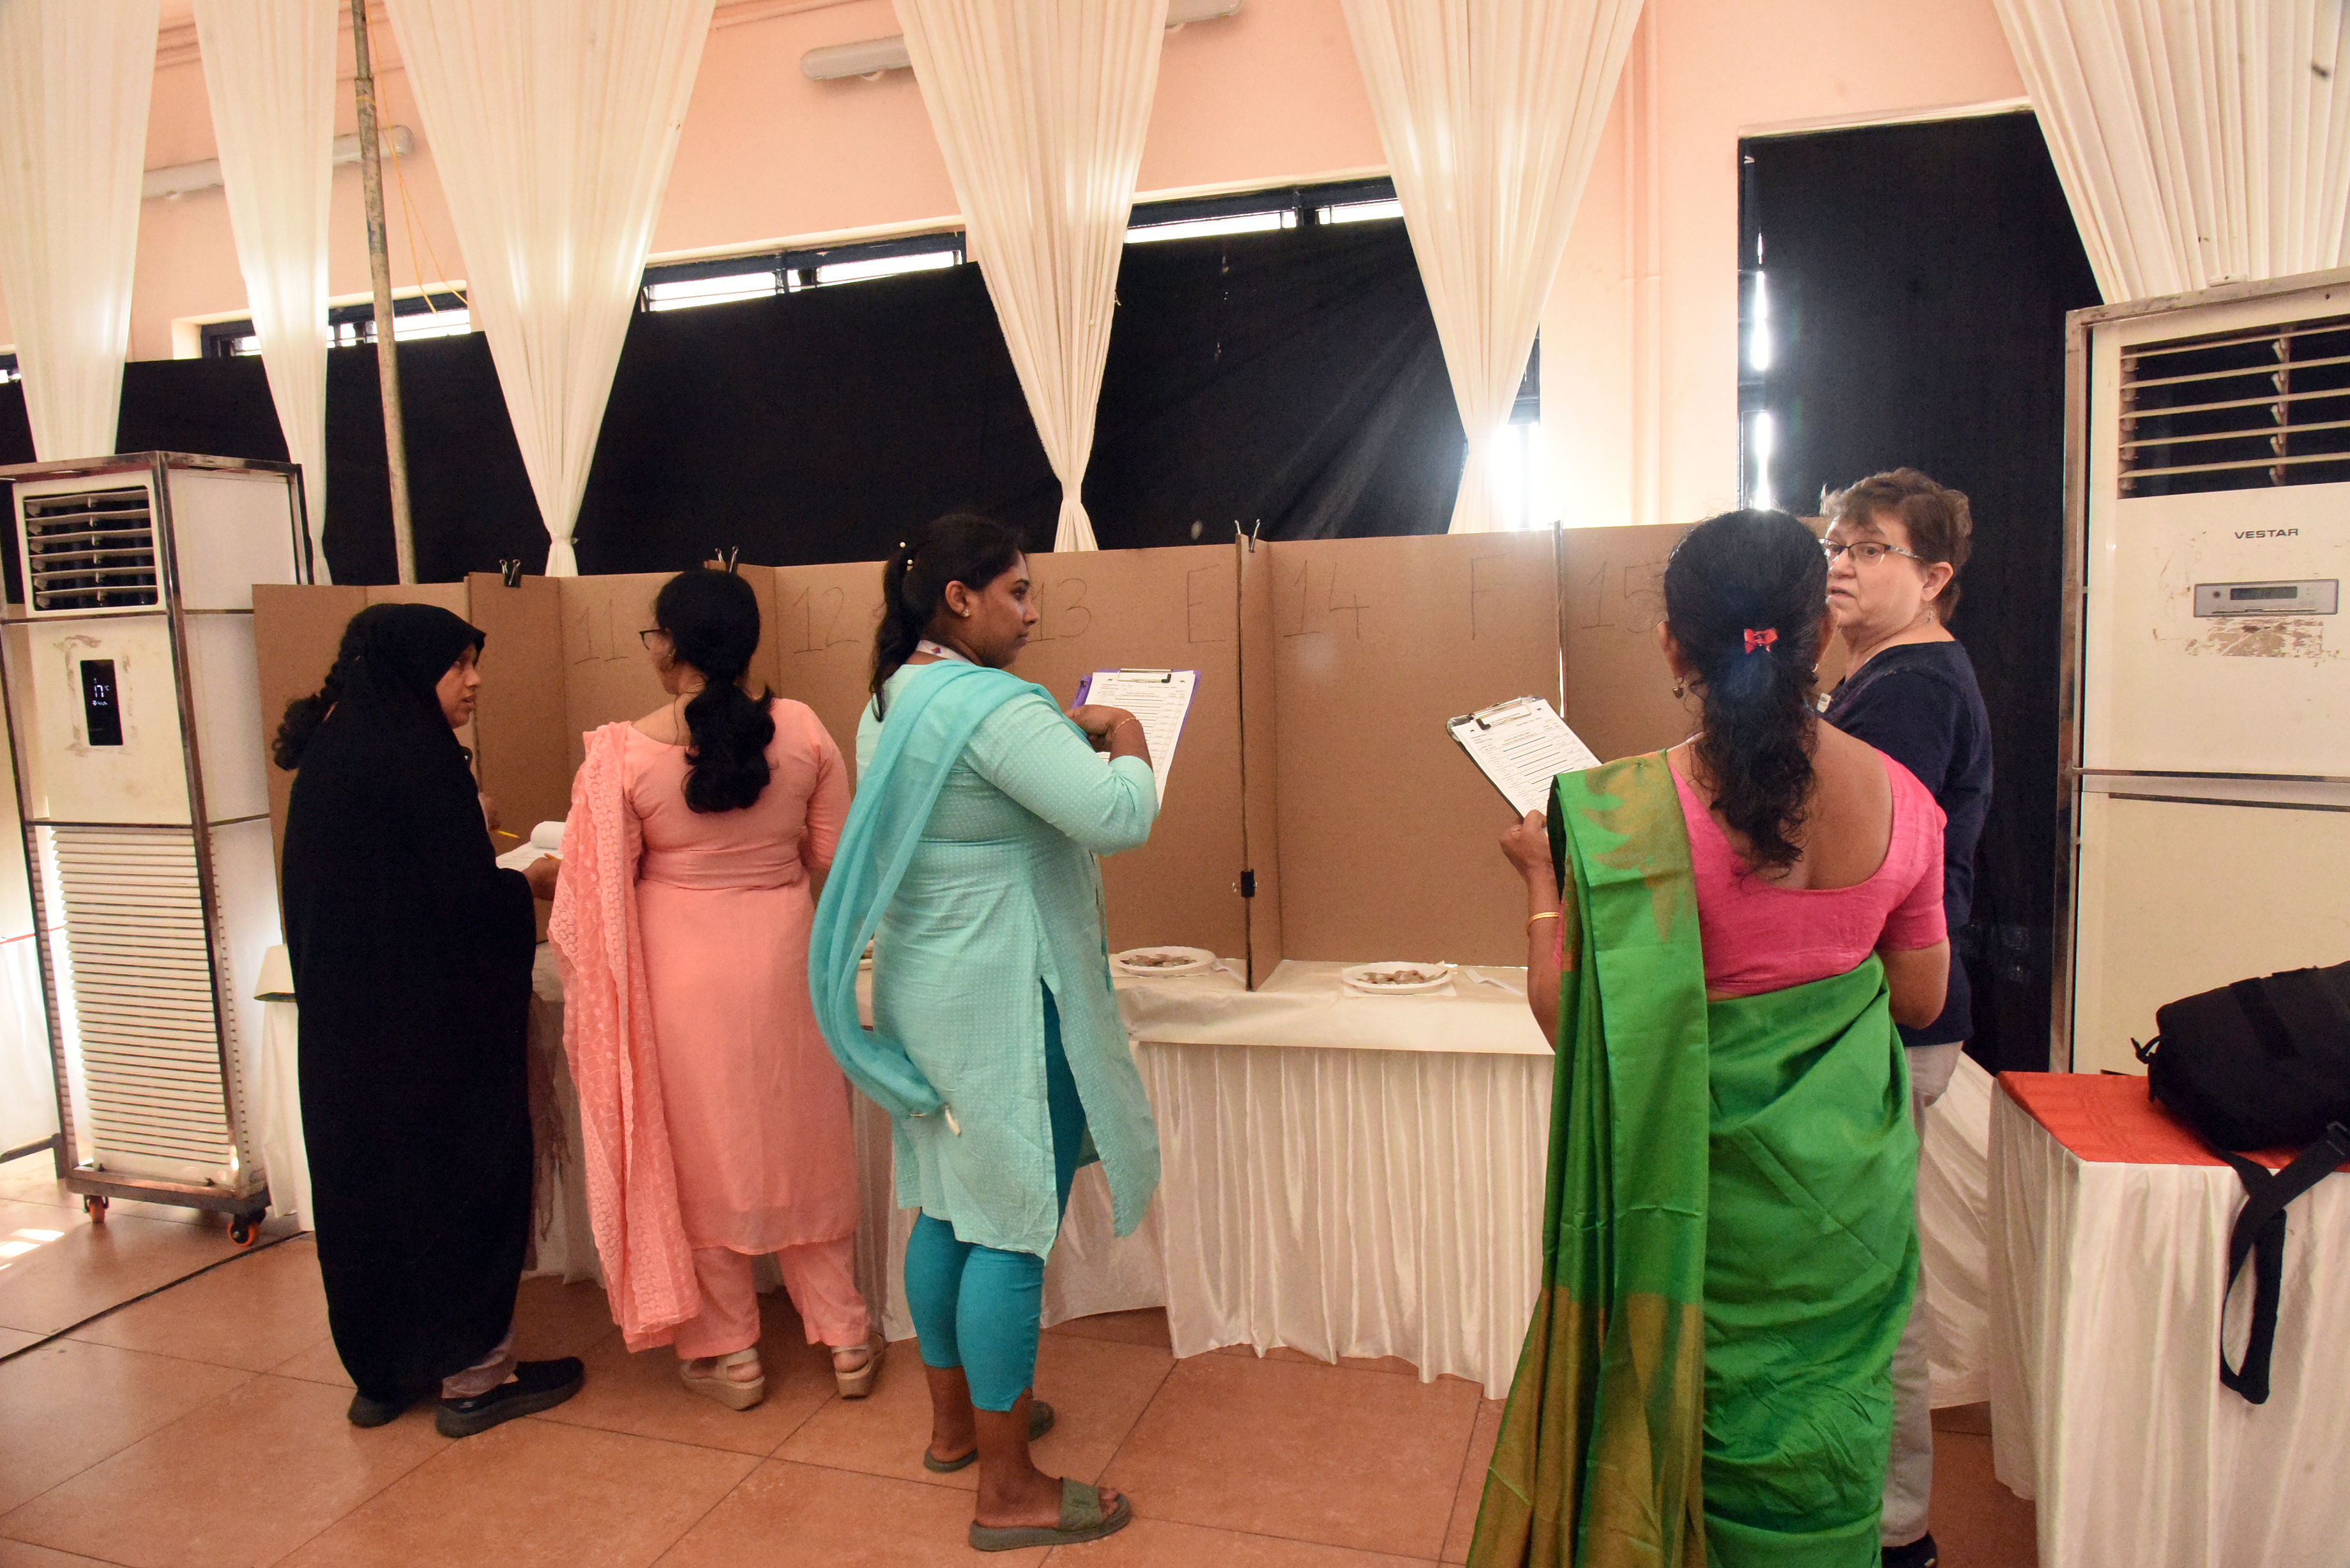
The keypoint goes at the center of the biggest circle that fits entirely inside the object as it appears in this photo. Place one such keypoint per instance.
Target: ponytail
(1744, 595)
(305, 714)
(959, 548)
(713, 621)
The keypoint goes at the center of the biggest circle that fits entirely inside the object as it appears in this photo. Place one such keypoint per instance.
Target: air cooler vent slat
(144, 994)
(2237, 410)
(92, 551)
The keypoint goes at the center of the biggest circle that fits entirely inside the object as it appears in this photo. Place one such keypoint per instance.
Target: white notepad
(1521, 745)
(1159, 698)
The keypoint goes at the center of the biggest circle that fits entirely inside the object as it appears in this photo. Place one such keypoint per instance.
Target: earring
(1680, 688)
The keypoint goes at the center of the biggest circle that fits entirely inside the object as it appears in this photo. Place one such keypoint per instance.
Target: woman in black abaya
(411, 955)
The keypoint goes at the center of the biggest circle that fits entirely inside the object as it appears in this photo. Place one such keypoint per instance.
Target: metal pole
(387, 350)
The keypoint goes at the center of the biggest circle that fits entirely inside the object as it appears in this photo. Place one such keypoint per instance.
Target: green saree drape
(1729, 1241)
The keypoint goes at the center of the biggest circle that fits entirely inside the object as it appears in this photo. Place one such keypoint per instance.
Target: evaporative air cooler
(2206, 721)
(134, 712)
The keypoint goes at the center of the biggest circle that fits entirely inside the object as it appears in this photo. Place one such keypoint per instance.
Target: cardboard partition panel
(1619, 694)
(1388, 831)
(1160, 609)
(1260, 761)
(821, 632)
(608, 676)
(521, 753)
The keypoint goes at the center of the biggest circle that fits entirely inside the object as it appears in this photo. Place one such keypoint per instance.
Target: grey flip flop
(1083, 1519)
(1040, 1421)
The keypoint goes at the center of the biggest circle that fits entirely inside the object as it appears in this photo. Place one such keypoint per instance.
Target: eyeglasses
(650, 632)
(1868, 551)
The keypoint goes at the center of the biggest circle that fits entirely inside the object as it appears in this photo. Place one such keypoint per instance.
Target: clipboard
(1520, 745)
(1159, 698)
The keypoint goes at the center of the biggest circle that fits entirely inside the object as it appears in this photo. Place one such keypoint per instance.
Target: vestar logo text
(2268, 534)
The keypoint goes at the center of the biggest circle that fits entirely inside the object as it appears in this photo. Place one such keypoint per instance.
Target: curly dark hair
(1760, 572)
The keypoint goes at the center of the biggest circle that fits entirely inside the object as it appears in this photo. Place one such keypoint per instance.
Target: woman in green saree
(1721, 938)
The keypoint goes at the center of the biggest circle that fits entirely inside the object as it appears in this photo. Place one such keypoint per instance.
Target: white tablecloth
(2107, 1408)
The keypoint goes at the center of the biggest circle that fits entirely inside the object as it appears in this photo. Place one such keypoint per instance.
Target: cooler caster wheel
(95, 1207)
(244, 1231)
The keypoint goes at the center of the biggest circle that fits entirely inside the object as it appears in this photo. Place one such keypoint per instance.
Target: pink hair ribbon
(1762, 640)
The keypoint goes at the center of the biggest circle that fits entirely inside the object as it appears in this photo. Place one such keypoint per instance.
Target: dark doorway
(1914, 281)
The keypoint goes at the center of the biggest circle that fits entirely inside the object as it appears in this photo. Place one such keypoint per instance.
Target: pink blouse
(1760, 936)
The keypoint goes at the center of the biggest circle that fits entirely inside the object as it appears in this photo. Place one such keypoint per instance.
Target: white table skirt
(2107, 1407)
(1375, 1201)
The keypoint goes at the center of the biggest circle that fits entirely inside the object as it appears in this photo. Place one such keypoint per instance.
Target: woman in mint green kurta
(1729, 1246)
(969, 861)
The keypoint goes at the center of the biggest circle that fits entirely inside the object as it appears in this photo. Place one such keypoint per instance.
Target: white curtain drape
(554, 124)
(73, 84)
(1490, 111)
(269, 70)
(2200, 141)
(1041, 111)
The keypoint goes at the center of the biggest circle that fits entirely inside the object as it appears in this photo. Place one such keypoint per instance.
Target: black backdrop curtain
(1289, 381)
(1918, 277)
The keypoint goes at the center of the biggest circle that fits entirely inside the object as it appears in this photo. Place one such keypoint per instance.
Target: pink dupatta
(608, 1033)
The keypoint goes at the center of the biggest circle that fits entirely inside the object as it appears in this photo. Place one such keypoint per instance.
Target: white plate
(1189, 960)
(1432, 977)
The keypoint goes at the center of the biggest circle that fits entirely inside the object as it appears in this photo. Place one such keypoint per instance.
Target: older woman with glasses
(1896, 542)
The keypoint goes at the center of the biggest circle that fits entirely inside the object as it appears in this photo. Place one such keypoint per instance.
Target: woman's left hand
(1527, 844)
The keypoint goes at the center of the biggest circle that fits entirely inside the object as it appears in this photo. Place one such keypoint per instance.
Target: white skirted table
(1345, 1175)
(2109, 1244)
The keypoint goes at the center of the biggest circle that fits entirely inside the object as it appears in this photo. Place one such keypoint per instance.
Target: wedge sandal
(857, 1383)
(1083, 1519)
(733, 1392)
(1040, 1421)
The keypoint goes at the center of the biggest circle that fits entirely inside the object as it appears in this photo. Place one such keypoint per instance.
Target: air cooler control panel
(2315, 596)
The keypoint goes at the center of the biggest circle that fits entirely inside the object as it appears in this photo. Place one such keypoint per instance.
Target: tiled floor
(203, 1427)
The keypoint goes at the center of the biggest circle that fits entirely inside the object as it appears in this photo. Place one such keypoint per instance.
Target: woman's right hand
(1097, 720)
(1526, 843)
(542, 875)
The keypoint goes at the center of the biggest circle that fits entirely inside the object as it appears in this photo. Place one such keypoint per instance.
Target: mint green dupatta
(1728, 1242)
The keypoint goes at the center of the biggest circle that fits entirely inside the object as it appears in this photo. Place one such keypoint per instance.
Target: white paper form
(1521, 745)
(1159, 698)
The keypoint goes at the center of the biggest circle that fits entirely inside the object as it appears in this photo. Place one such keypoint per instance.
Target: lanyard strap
(938, 650)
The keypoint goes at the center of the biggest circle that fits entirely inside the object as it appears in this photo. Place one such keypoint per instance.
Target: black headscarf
(411, 954)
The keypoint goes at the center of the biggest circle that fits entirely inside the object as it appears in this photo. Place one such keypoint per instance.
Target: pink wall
(1639, 339)
(1639, 342)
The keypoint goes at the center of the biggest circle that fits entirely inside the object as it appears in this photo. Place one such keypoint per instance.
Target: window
(1758, 429)
(682, 286)
(1263, 212)
(1520, 470)
(438, 315)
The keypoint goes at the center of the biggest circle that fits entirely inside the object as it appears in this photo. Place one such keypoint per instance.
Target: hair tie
(1762, 640)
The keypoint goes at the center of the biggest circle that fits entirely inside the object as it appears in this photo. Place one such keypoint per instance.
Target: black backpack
(2261, 1064)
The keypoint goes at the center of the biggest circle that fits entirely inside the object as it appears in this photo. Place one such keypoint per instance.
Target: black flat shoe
(1919, 1553)
(536, 1386)
(368, 1411)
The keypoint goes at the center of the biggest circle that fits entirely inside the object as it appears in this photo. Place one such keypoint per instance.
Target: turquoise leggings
(980, 1308)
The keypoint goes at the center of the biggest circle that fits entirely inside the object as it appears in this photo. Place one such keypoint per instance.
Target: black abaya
(411, 954)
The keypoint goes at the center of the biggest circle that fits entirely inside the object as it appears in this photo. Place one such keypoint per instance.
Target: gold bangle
(1546, 914)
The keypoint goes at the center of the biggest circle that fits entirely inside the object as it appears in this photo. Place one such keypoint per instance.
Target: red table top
(2111, 1120)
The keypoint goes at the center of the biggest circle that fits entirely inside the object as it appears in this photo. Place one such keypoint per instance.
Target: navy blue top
(1917, 703)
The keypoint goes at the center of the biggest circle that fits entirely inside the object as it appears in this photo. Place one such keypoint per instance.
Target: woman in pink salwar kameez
(716, 1120)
